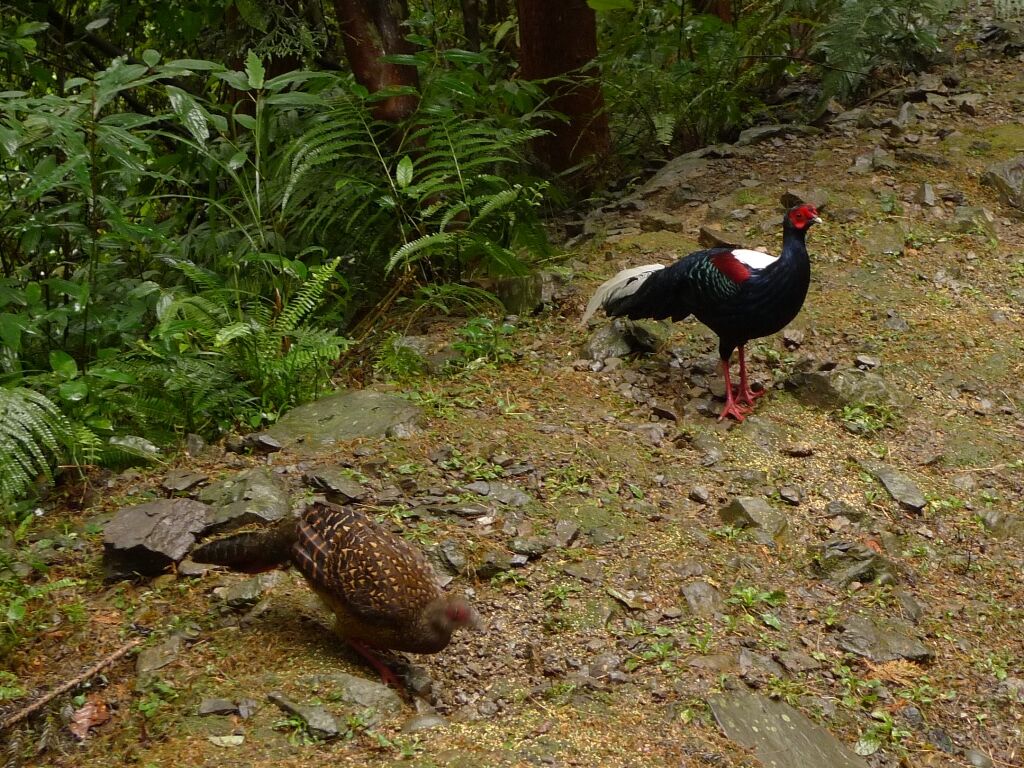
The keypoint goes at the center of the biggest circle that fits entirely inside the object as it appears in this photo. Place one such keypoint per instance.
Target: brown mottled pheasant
(380, 588)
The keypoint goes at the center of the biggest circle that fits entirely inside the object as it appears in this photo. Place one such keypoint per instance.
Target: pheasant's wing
(377, 576)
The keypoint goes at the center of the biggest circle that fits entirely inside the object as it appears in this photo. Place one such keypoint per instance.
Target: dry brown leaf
(899, 671)
(94, 712)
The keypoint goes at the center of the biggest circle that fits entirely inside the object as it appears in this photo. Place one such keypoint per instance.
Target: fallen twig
(74, 682)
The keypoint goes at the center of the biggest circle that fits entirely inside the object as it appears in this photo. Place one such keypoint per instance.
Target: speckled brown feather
(379, 587)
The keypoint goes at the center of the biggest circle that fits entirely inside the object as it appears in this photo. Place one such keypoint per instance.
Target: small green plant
(557, 595)
(883, 733)
(749, 598)
(857, 693)
(481, 341)
(156, 693)
(789, 691)
(19, 608)
(9, 687)
(398, 360)
(867, 418)
(297, 729)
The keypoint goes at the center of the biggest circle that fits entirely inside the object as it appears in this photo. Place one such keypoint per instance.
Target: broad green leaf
(112, 374)
(189, 112)
(200, 65)
(97, 23)
(867, 744)
(15, 611)
(73, 391)
(254, 70)
(237, 160)
(246, 121)
(610, 5)
(30, 28)
(771, 620)
(151, 57)
(63, 364)
(403, 175)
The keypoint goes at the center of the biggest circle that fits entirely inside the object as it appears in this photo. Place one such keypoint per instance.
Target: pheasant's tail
(251, 551)
(618, 287)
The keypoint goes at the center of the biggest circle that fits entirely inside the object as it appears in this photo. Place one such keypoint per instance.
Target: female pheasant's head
(801, 217)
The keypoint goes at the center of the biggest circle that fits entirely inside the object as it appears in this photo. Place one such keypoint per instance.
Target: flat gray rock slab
(318, 720)
(146, 539)
(900, 487)
(345, 416)
(882, 640)
(359, 691)
(781, 736)
(1008, 179)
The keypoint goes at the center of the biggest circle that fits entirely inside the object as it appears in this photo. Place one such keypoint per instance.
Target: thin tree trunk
(471, 23)
(720, 8)
(370, 30)
(559, 40)
(496, 11)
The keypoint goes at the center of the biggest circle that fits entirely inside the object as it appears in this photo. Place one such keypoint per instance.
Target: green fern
(33, 435)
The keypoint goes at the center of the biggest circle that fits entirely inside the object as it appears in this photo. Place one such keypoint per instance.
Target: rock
(674, 174)
(217, 707)
(702, 598)
(494, 562)
(320, 723)
(925, 195)
(247, 592)
(978, 759)
(883, 640)
(531, 546)
(754, 512)
(798, 450)
(608, 340)
(660, 221)
(344, 416)
(646, 335)
(182, 480)
(529, 294)
(566, 532)
(452, 556)
(791, 494)
(252, 496)
(884, 239)
(359, 691)
(845, 562)
(338, 484)
(841, 386)
(586, 570)
(714, 238)
(424, 722)
(1004, 525)
(817, 197)
(148, 538)
(900, 487)
(230, 740)
(1008, 179)
(974, 220)
(195, 445)
(509, 495)
(840, 508)
(762, 133)
(780, 735)
(792, 338)
(866, 362)
(247, 708)
(700, 494)
(158, 656)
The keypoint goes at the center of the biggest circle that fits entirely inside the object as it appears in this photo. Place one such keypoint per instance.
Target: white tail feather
(626, 282)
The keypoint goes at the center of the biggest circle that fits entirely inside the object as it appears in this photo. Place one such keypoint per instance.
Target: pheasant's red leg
(387, 675)
(745, 394)
(731, 408)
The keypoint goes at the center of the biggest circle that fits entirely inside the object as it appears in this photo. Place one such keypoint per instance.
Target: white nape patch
(754, 259)
(626, 282)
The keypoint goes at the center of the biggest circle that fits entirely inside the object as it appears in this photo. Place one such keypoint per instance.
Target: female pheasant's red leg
(745, 394)
(732, 408)
(387, 675)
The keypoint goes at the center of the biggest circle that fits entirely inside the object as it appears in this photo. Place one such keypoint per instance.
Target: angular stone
(217, 707)
(715, 238)
(424, 722)
(974, 220)
(509, 494)
(844, 562)
(660, 221)
(252, 496)
(242, 594)
(182, 480)
(646, 335)
(1008, 180)
(360, 691)
(900, 487)
(754, 512)
(762, 133)
(344, 416)
(925, 195)
(1004, 525)
(781, 736)
(883, 640)
(702, 598)
(338, 484)
(607, 341)
(842, 386)
(148, 538)
(319, 721)
(528, 294)
(158, 656)
(566, 532)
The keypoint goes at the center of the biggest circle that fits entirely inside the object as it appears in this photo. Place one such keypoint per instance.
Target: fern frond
(33, 432)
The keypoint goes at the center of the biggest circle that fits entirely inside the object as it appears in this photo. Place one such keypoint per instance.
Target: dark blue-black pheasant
(738, 293)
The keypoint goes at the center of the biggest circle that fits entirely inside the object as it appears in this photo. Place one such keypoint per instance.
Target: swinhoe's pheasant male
(738, 293)
(381, 589)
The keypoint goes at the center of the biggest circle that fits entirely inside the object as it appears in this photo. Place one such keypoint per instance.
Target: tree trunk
(471, 23)
(496, 11)
(370, 30)
(559, 40)
(720, 8)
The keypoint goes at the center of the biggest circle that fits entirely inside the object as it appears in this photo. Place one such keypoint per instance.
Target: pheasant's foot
(387, 675)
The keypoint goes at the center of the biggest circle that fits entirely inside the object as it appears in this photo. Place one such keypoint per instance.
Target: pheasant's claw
(748, 396)
(734, 409)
